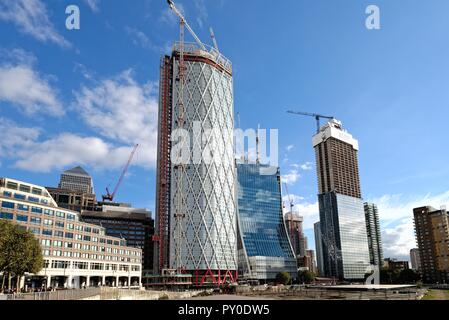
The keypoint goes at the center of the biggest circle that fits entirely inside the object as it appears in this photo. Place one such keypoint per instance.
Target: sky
(85, 97)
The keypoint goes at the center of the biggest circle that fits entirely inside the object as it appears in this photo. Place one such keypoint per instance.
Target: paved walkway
(230, 297)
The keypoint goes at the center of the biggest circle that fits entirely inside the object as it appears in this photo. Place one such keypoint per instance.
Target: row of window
(58, 264)
(23, 197)
(24, 188)
(87, 247)
(84, 255)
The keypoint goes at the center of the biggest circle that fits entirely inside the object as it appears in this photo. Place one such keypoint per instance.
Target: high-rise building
(195, 202)
(395, 264)
(264, 248)
(342, 218)
(76, 179)
(415, 259)
(432, 236)
(295, 231)
(134, 225)
(374, 235)
(76, 253)
(319, 249)
(73, 200)
(307, 262)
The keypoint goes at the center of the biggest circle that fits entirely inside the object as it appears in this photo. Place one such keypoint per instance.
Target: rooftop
(78, 171)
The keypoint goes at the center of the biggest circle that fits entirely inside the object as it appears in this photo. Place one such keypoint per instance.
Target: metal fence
(54, 295)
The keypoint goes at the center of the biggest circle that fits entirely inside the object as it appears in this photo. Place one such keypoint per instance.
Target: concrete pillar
(21, 283)
(117, 283)
(87, 281)
(69, 282)
(103, 281)
(129, 281)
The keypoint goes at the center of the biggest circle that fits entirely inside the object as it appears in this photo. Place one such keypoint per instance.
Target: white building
(76, 254)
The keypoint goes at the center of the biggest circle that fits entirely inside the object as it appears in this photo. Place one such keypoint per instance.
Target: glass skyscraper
(264, 247)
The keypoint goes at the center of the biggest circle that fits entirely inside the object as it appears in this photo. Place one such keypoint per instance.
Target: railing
(54, 295)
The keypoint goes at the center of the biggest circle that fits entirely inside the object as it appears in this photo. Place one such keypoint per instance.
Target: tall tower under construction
(195, 203)
(342, 225)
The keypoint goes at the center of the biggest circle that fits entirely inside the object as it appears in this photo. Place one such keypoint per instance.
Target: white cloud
(14, 137)
(289, 147)
(93, 5)
(31, 17)
(139, 38)
(309, 211)
(305, 166)
(291, 177)
(396, 215)
(202, 14)
(121, 110)
(24, 87)
(169, 17)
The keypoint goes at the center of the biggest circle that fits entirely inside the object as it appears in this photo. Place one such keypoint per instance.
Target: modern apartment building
(136, 226)
(374, 235)
(342, 217)
(195, 201)
(76, 254)
(264, 247)
(76, 179)
(432, 237)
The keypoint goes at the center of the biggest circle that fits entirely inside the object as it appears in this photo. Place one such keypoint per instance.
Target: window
(36, 210)
(48, 222)
(22, 218)
(6, 215)
(22, 207)
(70, 226)
(57, 253)
(68, 245)
(49, 212)
(35, 220)
(37, 191)
(87, 229)
(35, 230)
(7, 194)
(59, 234)
(70, 216)
(25, 188)
(46, 242)
(60, 214)
(7, 205)
(12, 185)
(59, 224)
(86, 238)
(69, 235)
(47, 232)
(33, 199)
(19, 196)
(57, 243)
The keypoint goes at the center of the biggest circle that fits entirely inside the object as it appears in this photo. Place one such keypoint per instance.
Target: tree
(20, 252)
(408, 276)
(283, 278)
(306, 276)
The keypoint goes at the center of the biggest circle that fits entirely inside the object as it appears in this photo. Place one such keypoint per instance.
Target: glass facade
(264, 247)
(343, 236)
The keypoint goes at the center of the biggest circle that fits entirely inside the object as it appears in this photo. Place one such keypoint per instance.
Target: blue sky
(86, 96)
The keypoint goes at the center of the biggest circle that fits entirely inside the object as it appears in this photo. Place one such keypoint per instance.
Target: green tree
(306, 276)
(20, 252)
(283, 278)
(408, 276)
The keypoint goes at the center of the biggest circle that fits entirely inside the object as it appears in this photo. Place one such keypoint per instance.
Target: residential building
(195, 198)
(76, 179)
(264, 246)
(136, 226)
(432, 237)
(319, 248)
(395, 264)
(342, 218)
(415, 259)
(374, 235)
(76, 254)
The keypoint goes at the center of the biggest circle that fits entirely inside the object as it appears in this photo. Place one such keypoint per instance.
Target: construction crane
(316, 116)
(214, 39)
(110, 196)
(183, 23)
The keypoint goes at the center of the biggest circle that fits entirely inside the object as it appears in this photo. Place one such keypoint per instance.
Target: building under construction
(195, 197)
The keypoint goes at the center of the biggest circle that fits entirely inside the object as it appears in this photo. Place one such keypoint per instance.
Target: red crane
(110, 197)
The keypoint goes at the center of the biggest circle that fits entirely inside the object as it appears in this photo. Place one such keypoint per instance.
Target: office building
(342, 217)
(307, 262)
(76, 179)
(415, 259)
(432, 237)
(374, 235)
(296, 234)
(264, 246)
(195, 201)
(76, 254)
(134, 225)
(319, 249)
